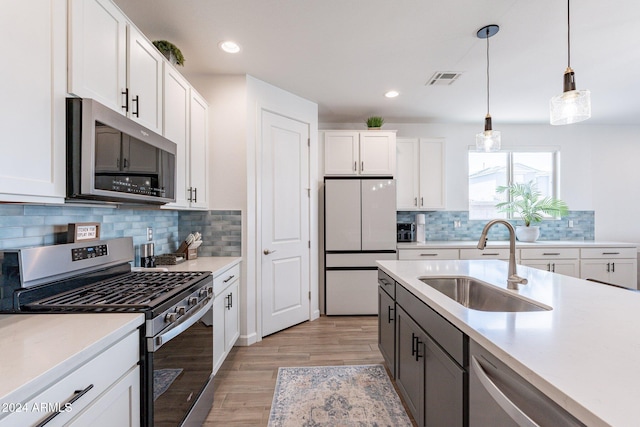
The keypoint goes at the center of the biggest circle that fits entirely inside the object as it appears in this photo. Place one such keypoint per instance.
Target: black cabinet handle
(613, 267)
(229, 278)
(414, 338)
(137, 101)
(608, 267)
(190, 198)
(229, 301)
(126, 100)
(418, 344)
(390, 318)
(76, 395)
(195, 195)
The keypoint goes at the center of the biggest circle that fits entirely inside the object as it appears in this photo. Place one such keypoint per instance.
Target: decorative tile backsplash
(38, 225)
(439, 225)
(221, 231)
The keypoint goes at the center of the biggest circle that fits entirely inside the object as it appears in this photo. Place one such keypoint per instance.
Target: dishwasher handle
(510, 408)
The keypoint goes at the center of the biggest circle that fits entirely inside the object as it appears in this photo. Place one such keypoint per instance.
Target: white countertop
(463, 244)
(214, 264)
(37, 349)
(584, 354)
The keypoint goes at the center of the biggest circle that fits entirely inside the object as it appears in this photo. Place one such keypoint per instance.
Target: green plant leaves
(527, 202)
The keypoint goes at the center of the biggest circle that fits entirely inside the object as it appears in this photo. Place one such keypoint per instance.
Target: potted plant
(170, 51)
(527, 202)
(375, 122)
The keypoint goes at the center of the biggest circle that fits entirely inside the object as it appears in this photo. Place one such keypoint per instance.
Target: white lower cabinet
(108, 383)
(226, 314)
(488, 253)
(556, 260)
(428, 254)
(617, 266)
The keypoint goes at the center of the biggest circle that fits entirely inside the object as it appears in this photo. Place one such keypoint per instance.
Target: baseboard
(315, 315)
(247, 340)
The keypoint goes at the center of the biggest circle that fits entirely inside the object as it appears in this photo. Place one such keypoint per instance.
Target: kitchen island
(582, 354)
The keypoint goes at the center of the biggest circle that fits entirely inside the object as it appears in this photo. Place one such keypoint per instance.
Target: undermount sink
(478, 295)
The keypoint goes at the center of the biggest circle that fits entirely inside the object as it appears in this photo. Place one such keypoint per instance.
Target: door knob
(267, 252)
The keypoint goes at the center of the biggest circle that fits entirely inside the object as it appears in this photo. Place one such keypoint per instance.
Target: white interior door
(285, 222)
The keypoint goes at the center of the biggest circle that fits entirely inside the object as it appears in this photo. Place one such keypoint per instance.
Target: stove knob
(210, 290)
(180, 310)
(170, 317)
(193, 300)
(203, 293)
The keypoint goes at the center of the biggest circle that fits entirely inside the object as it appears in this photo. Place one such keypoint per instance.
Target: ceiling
(345, 54)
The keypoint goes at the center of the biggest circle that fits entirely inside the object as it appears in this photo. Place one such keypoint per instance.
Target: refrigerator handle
(355, 166)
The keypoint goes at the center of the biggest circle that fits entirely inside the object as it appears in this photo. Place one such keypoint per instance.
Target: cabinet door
(410, 367)
(232, 316)
(98, 52)
(144, 77)
(620, 272)
(119, 406)
(219, 310)
(33, 102)
(377, 153)
(175, 122)
(562, 266)
(387, 329)
(407, 173)
(444, 388)
(341, 155)
(198, 151)
(432, 188)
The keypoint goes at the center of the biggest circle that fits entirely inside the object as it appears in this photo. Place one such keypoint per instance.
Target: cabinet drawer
(450, 338)
(488, 253)
(387, 283)
(223, 280)
(609, 253)
(428, 254)
(550, 253)
(89, 380)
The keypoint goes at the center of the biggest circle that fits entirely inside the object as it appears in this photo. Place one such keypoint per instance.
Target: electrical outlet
(456, 223)
(149, 234)
(570, 223)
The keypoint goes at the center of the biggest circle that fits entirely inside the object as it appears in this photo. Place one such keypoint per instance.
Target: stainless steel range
(176, 341)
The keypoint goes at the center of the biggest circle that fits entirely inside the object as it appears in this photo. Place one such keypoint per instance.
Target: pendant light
(489, 140)
(572, 106)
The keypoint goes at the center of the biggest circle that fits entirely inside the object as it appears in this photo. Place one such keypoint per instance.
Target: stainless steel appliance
(360, 228)
(96, 277)
(114, 159)
(406, 231)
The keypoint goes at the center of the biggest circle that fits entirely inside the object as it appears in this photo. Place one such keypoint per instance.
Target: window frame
(555, 172)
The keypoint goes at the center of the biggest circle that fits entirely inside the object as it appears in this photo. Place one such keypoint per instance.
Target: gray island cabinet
(428, 358)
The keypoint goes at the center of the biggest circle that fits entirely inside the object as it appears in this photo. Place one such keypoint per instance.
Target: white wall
(599, 166)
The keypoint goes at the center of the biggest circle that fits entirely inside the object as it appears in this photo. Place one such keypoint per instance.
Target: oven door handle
(154, 344)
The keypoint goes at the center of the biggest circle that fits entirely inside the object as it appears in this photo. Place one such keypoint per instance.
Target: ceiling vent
(443, 78)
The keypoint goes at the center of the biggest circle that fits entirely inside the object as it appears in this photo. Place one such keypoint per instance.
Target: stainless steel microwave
(111, 158)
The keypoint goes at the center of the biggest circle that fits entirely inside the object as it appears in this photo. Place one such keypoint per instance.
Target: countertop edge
(217, 265)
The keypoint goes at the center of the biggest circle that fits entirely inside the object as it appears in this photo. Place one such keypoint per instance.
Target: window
(490, 170)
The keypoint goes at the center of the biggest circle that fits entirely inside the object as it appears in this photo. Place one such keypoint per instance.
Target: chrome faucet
(512, 279)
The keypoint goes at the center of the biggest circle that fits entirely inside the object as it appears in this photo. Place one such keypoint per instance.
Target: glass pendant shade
(570, 107)
(489, 140)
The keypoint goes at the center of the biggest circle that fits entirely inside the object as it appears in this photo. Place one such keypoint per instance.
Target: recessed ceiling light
(392, 94)
(229, 46)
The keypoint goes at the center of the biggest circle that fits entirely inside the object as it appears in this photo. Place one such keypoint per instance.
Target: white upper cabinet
(144, 77)
(198, 152)
(33, 102)
(359, 153)
(177, 98)
(98, 52)
(420, 174)
(113, 63)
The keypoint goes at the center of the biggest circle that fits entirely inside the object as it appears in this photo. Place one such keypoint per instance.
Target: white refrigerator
(360, 228)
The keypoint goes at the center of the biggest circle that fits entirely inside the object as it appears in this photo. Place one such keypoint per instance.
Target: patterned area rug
(332, 396)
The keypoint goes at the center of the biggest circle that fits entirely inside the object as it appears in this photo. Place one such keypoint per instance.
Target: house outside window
(487, 171)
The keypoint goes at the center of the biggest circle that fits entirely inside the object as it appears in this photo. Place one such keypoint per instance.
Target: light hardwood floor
(245, 383)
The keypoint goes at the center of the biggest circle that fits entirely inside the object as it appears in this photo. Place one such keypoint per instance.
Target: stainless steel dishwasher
(499, 397)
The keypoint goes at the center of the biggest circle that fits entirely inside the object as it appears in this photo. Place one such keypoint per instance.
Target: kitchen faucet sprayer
(512, 277)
